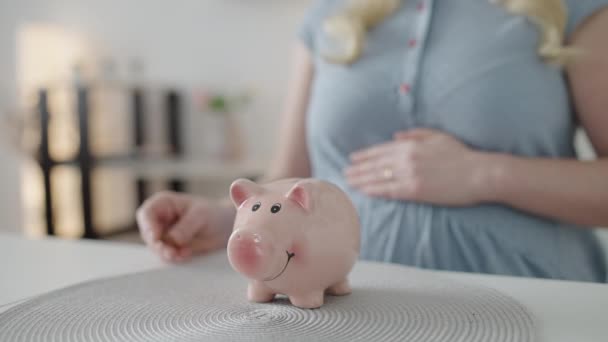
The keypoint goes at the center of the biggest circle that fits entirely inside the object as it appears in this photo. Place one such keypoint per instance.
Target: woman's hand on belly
(420, 165)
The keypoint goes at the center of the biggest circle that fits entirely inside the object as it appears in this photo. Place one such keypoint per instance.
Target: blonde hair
(349, 27)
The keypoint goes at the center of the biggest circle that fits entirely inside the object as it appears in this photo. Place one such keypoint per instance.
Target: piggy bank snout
(249, 252)
(247, 239)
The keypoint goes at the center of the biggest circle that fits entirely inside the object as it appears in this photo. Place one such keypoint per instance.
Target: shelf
(151, 167)
(187, 169)
(145, 163)
(97, 160)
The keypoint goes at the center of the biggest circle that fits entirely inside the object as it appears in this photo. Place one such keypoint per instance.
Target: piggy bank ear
(242, 189)
(301, 193)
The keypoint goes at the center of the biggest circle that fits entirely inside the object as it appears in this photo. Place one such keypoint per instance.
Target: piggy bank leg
(259, 293)
(339, 289)
(311, 300)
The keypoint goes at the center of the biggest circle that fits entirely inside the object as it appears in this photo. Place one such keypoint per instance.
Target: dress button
(405, 88)
(412, 43)
(420, 6)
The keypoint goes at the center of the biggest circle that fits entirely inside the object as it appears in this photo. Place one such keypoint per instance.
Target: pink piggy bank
(297, 237)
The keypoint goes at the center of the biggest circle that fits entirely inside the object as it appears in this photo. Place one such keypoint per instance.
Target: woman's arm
(429, 166)
(568, 190)
(291, 156)
(571, 190)
(588, 77)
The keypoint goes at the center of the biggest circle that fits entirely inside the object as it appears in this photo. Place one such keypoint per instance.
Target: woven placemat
(205, 301)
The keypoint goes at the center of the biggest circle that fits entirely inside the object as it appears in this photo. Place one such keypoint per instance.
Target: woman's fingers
(157, 214)
(372, 152)
(186, 227)
(199, 245)
(205, 245)
(364, 179)
(149, 225)
(386, 170)
(371, 172)
(184, 254)
(176, 226)
(362, 168)
(417, 133)
(166, 252)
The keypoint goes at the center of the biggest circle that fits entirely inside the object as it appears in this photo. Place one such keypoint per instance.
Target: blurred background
(105, 102)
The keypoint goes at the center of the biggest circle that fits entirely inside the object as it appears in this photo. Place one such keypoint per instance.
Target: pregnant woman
(450, 125)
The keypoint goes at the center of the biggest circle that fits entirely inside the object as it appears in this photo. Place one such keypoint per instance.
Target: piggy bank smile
(289, 256)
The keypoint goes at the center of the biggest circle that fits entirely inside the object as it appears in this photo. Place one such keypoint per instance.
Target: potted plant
(222, 107)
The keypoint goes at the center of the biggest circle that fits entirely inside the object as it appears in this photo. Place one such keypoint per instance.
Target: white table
(566, 311)
(31, 267)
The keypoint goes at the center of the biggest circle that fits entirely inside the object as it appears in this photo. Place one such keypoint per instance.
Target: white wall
(222, 43)
(187, 43)
(9, 169)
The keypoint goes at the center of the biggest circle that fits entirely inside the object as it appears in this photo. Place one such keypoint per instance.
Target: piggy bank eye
(275, 208)
(256, 206)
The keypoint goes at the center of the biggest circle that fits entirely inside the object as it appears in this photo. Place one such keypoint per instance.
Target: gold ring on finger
(387, 174)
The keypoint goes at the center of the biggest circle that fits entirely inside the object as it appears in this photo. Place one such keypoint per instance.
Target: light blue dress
(468, 68)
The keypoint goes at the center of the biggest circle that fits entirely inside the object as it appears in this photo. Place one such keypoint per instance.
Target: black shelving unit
(86, 161)
(173, 108)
